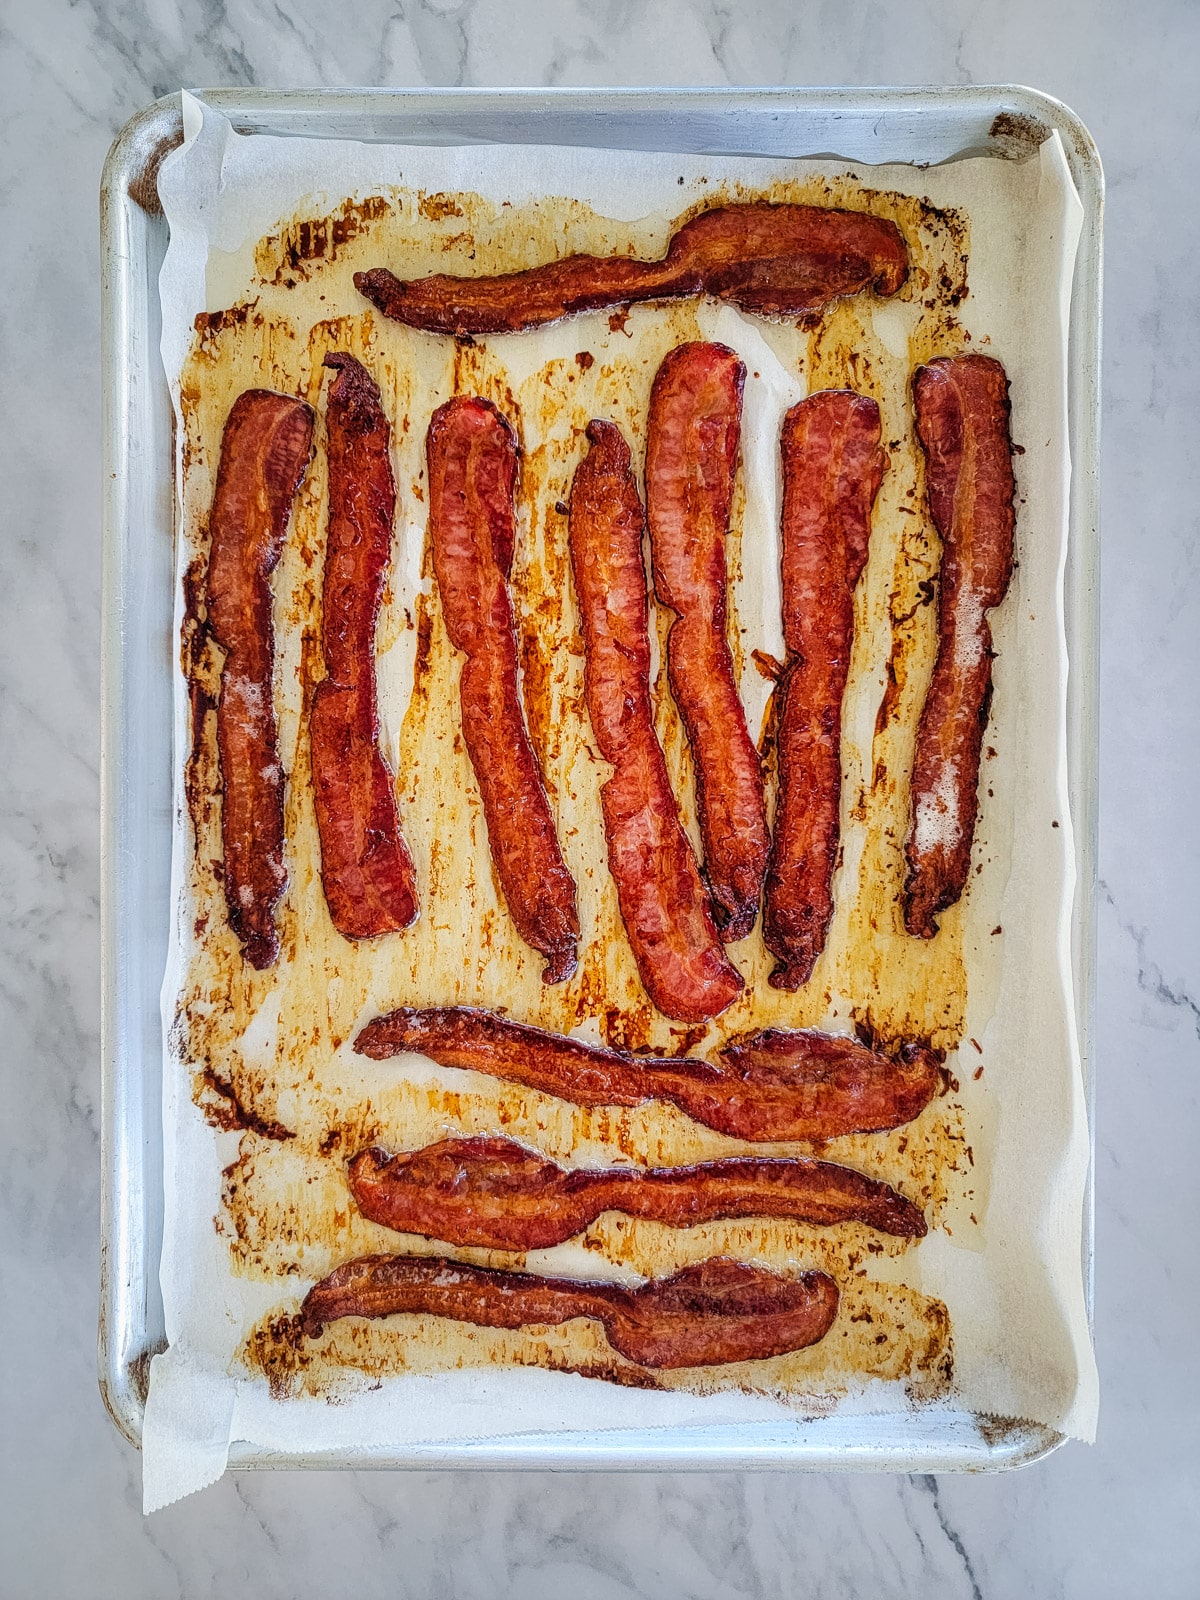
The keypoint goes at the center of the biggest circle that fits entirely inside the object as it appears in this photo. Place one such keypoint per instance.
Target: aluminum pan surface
(911, 125)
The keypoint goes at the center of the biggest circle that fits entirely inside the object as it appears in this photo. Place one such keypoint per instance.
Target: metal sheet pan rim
(855, 121)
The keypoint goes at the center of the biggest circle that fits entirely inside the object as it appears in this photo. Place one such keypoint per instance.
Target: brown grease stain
(437, 207)
(536, 694)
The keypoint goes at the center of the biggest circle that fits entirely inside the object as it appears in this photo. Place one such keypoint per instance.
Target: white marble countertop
(1116, 1520)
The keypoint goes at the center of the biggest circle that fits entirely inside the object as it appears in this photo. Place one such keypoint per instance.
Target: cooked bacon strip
(826, 1084)
(662, 898)
(264, 451)
(708, 1314)
(962, 423)
(499, 1195)
(769, 1087)
(691, 458)
(370, 883)
(832, 469)
(783, 261)
(472, 454)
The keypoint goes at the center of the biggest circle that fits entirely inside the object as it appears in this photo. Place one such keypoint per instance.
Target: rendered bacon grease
(663, 900)
(777, 260)
(367, 872)
(691, 459)
(264, 451)
(472, 455)
(706, 1315)
(499, 1195)
(770, 1087)
(962, 413)
(832, 469)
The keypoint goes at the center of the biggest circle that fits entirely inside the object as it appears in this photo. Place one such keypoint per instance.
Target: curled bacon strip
(708, 1314)
(264, 451)
(496, 1194)
(662, 898)
(691, 458)
(962, 423)
(777, 260)
(832, 469)
(370, 884)
(472, 455)
(773, 1086)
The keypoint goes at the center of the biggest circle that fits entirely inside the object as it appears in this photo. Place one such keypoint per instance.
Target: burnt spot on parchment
(290, 256)
(222, 1108)
(210, 325)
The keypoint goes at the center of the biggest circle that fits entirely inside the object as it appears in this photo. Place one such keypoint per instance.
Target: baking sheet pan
(907, 125)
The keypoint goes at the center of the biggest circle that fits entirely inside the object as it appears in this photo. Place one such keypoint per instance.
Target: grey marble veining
(1114, 1521)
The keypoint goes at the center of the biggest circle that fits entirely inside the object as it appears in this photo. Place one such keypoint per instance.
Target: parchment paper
(1012, 1281)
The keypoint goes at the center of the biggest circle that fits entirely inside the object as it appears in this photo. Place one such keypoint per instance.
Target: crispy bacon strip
(832, 469)
(368, 874)
(691, 458)
(662, 898)
(499, 1195)
(472, 455)
(777, 260)
(264, 451)
(962, 415)
(770, 1087)
(708, 1314)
